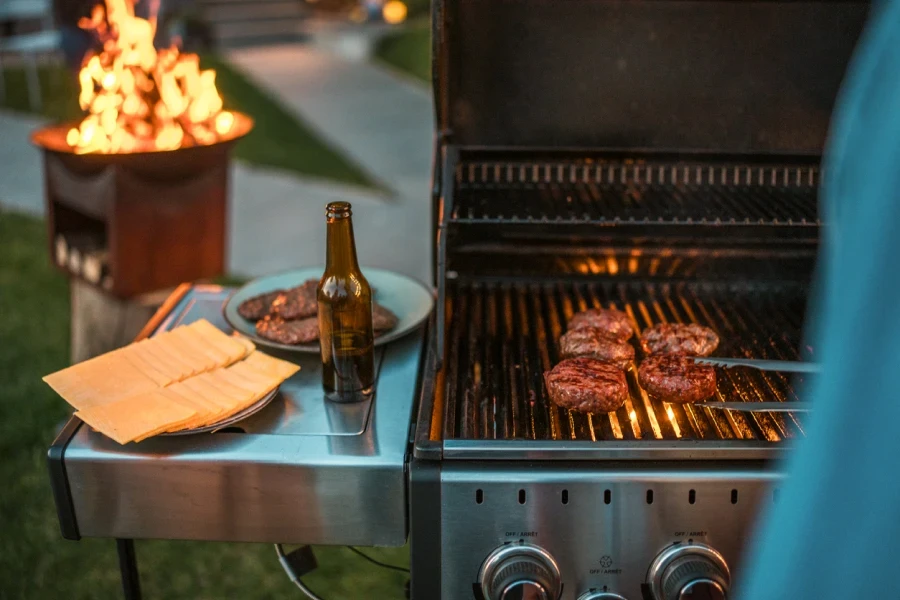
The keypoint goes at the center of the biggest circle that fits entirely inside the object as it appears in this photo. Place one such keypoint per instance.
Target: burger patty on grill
(255, 308)
(301, 331)
(677, 338)
(596, 343)
(614, 322)
(298, 302)
(587, 384)
(676, 378)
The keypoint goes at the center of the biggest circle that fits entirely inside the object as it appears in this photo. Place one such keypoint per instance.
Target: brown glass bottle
(345, 314)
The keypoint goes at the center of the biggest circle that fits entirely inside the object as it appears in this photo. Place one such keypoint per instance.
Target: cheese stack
(189, 377)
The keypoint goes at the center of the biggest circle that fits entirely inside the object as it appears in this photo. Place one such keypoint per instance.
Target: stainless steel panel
(275, 483)
(598, 521)
(618, 450)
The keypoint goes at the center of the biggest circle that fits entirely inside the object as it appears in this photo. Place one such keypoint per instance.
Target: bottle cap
(338, 210)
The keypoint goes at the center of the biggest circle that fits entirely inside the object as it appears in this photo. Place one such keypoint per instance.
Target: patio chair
(28, 45)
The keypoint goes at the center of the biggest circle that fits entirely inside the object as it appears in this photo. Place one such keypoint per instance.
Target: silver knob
(600, 596)
(520, 572)
(689, 572)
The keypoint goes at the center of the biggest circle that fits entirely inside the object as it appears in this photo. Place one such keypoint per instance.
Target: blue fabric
(835, 531)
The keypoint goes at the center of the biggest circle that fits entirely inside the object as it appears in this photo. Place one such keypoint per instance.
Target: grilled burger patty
(255, 308)
(677, 338)
(301, 331)
(382, 318)
(614, 322)
(587, 384)
(676, 378)
(298, 302)
(596, 343)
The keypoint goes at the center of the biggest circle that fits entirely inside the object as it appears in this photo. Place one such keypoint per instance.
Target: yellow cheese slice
(238, 393)
(247, 344)
(101, 380)
(161, 357)
(233, 347)
(205, 410)
(268, 365)
(135, 417)
(175, 349)
(137, 360)
(192, 339)
(254, 385)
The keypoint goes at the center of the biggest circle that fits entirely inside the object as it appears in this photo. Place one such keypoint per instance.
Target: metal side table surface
(300, 471)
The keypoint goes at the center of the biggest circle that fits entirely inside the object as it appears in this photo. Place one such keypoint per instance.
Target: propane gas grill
(661, 157)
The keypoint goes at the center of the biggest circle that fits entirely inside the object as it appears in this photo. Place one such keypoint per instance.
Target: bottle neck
(341, 247)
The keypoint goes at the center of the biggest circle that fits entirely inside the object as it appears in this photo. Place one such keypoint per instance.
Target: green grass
(279, 139)
(35, 562)
(408, 50)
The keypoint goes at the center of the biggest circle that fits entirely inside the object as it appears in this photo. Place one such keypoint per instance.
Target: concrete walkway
(21, 165)
(381, 120)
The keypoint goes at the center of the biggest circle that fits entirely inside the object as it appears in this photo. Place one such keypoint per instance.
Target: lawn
(408, 50)
(278, 140)
(35, 562)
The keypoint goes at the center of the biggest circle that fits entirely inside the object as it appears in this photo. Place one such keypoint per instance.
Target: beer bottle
(345, 314)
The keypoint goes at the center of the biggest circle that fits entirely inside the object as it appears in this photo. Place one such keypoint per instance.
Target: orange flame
(141, 99)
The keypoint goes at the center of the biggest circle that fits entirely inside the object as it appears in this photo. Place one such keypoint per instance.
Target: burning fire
(141, 99)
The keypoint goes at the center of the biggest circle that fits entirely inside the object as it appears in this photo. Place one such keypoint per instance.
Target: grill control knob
(600, 596)
(520, 572)
(689, 572)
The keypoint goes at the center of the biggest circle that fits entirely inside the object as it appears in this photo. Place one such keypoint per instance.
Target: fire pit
(137, 191)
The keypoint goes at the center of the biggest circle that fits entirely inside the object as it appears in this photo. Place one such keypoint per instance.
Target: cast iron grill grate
(635, 193)
(502, 336)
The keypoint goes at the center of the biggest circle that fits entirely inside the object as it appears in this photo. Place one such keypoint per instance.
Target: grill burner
(502, 336)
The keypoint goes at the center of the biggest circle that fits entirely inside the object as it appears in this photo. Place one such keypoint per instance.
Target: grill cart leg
(131, 584)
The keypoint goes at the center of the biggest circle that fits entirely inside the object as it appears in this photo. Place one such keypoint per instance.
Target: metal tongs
(785, 366)
(759, 406)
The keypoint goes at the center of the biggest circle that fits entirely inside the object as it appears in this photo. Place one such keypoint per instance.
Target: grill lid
(738, 77)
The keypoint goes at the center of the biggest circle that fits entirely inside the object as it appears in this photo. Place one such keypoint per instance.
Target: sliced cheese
(268, 365)
(164, 360)
(192, 339)
(101, 380)
(233, 347)
(138, 360)
(135, 417)
(173, 348)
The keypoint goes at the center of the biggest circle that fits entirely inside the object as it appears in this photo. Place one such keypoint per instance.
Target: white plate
(250, 410)
(410, 300)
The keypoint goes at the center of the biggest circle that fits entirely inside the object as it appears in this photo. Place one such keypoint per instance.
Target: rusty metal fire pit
(136, 222)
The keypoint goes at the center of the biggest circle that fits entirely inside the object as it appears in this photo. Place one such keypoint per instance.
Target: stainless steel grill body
(603, 523)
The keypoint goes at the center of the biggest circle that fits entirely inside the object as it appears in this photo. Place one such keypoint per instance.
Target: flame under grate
(502, 336)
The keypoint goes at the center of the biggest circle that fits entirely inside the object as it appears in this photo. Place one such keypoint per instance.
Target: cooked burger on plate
(596, 343)
(677, 338)
(255, 308)
(298, 302)
(587, 385)
(382, 318)
(676, 378)
(300, 331)
(614, 322)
